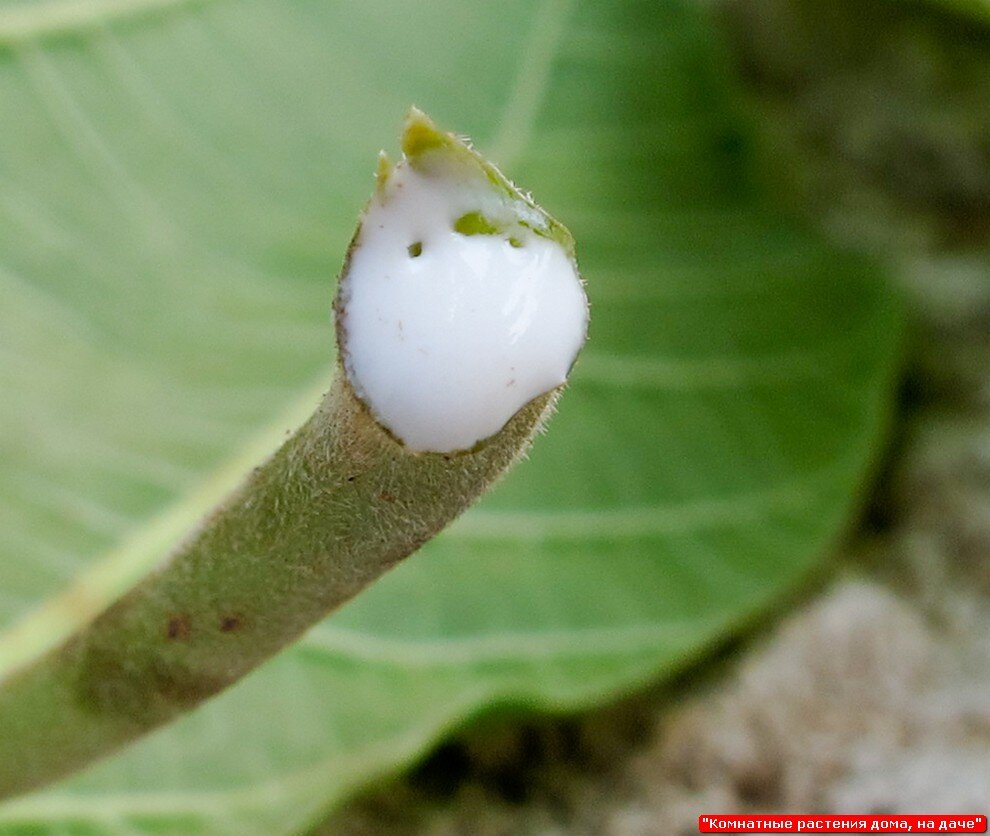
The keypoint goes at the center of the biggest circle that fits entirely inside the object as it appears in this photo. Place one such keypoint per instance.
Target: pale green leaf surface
(178, 182)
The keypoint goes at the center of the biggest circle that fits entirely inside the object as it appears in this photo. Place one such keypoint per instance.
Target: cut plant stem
(479, 328)
(461, 301)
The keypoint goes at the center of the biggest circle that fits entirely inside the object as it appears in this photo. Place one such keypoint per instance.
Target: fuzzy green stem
(339, 504)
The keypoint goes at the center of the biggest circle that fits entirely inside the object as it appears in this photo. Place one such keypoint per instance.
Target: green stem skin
(338, 505)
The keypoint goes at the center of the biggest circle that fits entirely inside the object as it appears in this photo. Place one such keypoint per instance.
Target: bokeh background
(746, 570)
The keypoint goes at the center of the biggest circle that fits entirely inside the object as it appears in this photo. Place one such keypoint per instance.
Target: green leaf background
(178, 182)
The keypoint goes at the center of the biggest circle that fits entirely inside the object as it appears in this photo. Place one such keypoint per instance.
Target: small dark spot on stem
(351, 478)
(178, 627)
(230, 623)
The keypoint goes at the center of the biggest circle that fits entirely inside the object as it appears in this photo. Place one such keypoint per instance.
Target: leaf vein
(31, 23)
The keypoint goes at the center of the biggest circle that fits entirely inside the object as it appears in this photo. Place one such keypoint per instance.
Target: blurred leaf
(178, 181)
(978, 9)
